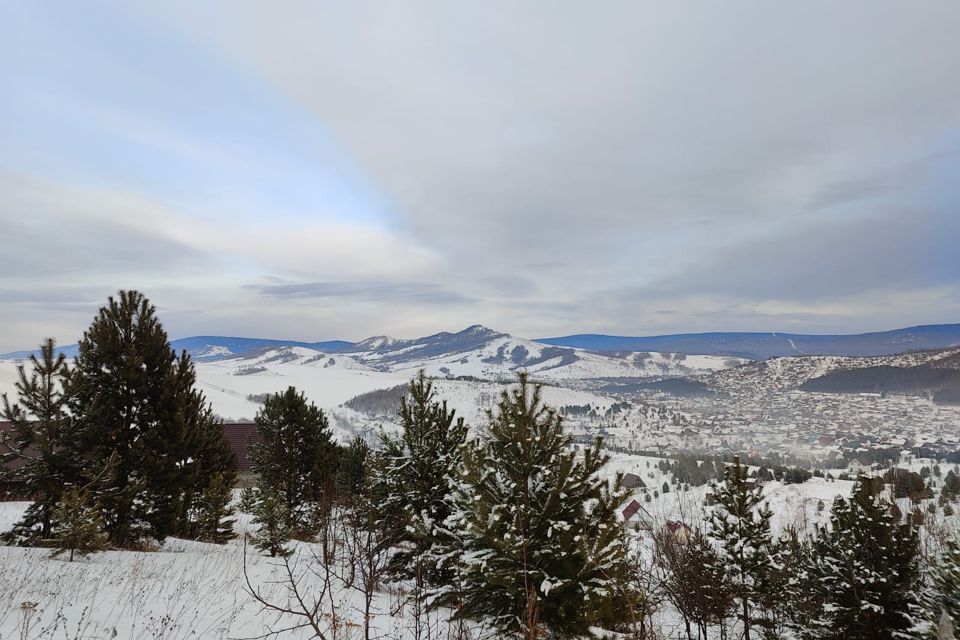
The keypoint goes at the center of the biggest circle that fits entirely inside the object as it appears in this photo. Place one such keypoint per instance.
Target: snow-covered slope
(234, 385)
(480, 352)
(234, 377)
(779, 374)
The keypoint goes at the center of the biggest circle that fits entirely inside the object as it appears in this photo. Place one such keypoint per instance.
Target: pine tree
(951, 485)
(866, 566)
(213, 513)
(270, 512)
(79, 528)
(417, 478)
(942, 601)
(36, 444)
(296, 460)
(248, 500)
(740, 525)
(212, 473)
(352, 468)
(790, 596)
(134, 404)
(543, 548)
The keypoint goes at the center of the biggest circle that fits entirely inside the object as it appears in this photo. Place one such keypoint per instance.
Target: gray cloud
(363, 291)
(627, 147)
(628, 167)
(52, 231)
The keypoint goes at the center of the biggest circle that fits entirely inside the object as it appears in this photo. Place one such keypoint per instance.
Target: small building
(631, 511)
(11, 483)
(633, 481)
(240, 435)
(861, 465)
(680, 531)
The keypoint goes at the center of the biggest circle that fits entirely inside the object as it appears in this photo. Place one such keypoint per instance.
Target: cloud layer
(334, 170)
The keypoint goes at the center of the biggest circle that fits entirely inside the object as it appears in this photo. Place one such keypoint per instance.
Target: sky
(319, 170)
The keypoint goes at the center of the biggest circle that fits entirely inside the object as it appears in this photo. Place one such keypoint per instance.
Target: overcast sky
(318, 170)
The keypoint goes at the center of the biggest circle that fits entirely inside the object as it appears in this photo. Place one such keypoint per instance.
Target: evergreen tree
(866, 566)
(951, 485)
(740, 525)
(212, 518)
(134, 405)
(790, 596)
(352, 468)
(248, 500)
(35, 446)
(543, 548)
(80, 529)
(418, 473)
(942, 601)
(270, 512)
(297, 458)
(208, 465)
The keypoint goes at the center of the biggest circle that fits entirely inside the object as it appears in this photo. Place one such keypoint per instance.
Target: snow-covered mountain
(480, 352)
(781, 374)
(761, 346)
(234, 384)
(235, 373)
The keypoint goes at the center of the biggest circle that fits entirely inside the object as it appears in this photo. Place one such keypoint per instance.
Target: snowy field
(187, 589)
(184, 590)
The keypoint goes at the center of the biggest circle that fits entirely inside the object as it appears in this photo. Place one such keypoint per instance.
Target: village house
(632, 481)
(240, 435)
(680, 531)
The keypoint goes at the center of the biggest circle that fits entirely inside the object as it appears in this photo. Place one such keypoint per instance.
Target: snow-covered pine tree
(296, 460)
(790, 596)
(35, 445)
(416, 478)
(270, 512)
(352, 469)
(208, 464)
(740, 526)
(79, 529)
(212, 512)
(543, 546)
(134, 408)
(866, 565)
(942, 601)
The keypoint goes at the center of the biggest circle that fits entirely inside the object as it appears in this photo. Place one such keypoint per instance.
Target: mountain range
(761, 346)
(749, 346)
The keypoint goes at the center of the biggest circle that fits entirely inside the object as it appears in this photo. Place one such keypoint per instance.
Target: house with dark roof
(240, 435)
(11, 481)
(632, 481)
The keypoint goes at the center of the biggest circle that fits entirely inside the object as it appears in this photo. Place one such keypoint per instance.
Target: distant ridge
(760, 346)
(211, 348)
(752, 346)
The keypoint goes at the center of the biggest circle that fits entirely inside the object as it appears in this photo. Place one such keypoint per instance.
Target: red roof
(631, 510)
(672, 526)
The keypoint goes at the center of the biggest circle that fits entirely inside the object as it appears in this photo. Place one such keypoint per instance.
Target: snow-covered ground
(187, 589)
(184, 590)
(792, 504)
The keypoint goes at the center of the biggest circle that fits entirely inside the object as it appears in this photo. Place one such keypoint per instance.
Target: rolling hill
(761, 346)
